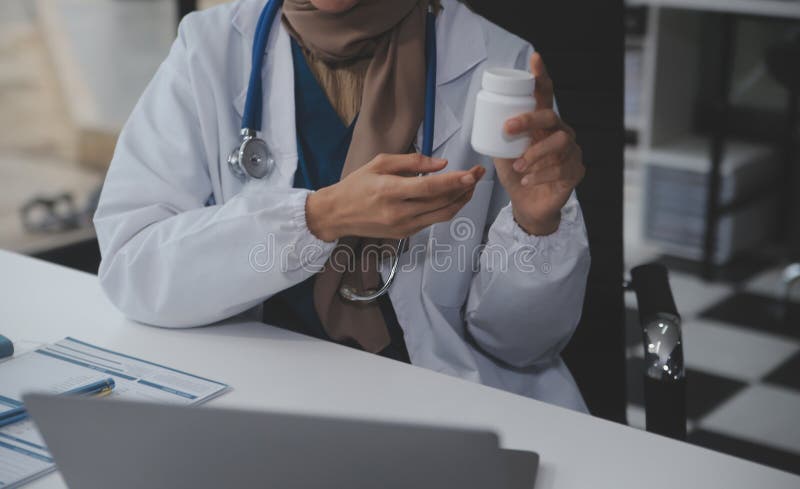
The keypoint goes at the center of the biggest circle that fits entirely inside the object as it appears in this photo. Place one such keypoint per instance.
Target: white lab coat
(500, 317)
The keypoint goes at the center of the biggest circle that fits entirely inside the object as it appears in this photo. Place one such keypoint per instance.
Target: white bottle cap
(508, 82)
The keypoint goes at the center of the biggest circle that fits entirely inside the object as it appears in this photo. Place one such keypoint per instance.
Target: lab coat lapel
(460, 47)
(278, 123)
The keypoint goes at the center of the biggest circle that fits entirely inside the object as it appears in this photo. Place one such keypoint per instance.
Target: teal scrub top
(322, 144)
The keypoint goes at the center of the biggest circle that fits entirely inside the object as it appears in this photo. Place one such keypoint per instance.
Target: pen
(99, 388)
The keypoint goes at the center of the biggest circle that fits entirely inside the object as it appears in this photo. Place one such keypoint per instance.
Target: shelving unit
(666, 52)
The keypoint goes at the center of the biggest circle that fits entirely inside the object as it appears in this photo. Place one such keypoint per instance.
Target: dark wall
(582, 43)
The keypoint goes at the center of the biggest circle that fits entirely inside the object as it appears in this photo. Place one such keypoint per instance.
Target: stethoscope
(253, 158)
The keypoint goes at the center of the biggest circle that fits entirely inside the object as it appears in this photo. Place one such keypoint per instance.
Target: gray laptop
(108, 443)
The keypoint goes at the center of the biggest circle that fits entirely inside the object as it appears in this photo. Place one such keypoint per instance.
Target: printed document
(71, 363)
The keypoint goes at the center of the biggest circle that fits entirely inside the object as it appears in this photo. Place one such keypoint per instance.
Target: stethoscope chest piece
(252, 158)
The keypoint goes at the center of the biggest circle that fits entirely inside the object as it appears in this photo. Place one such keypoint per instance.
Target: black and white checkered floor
(743, 366)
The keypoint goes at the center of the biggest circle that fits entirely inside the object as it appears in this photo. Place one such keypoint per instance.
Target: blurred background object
(710, 173)
(36, 135)
(70, 73)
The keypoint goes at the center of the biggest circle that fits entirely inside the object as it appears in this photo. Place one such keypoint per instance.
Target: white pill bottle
(505, 93)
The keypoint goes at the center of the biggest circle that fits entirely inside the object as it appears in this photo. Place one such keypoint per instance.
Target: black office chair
(664, 376)
(584, 55)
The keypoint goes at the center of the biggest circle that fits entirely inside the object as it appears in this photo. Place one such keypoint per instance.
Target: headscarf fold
(391, 33)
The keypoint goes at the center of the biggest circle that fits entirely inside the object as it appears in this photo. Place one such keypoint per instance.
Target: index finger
(435, 185)
(406, 163)
(543, 91)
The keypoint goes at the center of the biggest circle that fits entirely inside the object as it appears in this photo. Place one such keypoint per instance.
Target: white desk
(274, 369)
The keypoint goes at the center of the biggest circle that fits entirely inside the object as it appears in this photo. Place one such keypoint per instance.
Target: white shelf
(771, 8)
(692, 153)
(634, 155)
(633, 123)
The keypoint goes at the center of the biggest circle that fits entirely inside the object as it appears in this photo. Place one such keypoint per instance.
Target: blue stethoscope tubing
(253, 105)
(252, 117)
(349, 293)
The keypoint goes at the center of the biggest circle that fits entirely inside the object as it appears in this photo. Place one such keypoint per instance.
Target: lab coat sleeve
(167, 258)
(526, 298)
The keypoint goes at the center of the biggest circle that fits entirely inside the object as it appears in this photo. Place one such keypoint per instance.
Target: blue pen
(100, 388)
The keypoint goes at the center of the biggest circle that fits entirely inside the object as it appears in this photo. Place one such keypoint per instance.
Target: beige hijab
(391, 35)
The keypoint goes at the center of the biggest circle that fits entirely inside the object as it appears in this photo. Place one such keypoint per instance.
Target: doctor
(491, 281)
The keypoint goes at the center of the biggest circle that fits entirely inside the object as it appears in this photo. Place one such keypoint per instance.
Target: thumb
(543, 92)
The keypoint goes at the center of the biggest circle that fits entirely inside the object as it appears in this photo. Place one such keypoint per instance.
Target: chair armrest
(665, 375)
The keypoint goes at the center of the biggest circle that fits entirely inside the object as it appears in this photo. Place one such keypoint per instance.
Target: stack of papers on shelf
(71, 363)
(677, 185)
